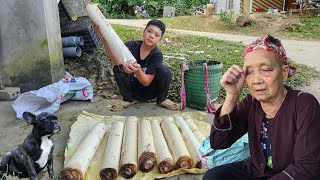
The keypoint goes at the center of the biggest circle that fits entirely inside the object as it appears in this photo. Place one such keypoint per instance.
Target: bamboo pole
(78, 164)
(190, 140)
(128, 165)
(164, 157)
(119, 49)
(176, 144)
(109, 170)
(146, 149)
(194, 128)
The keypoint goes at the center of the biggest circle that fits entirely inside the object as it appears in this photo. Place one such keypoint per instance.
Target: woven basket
(194, 80)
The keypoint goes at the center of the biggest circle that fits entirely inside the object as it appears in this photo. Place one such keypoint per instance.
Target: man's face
(152, 35)
(264, 75)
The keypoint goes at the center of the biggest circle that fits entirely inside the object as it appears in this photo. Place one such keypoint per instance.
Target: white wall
(236, 7)
(223, 6)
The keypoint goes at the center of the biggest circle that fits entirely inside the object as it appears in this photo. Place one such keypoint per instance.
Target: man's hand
(131, 68)
(233, 80)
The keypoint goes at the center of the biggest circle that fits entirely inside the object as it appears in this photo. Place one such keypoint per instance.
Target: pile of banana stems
(134, 145)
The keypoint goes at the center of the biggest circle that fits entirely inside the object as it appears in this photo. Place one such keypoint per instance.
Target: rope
(210, 108)
(183, 68)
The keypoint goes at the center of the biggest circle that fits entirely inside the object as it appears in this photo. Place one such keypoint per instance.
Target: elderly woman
(283, 124)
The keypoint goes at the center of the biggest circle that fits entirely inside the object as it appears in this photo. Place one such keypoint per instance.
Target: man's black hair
(157, 23)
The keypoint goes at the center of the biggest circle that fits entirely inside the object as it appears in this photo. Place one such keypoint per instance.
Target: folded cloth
(210, 158)
(49, 98)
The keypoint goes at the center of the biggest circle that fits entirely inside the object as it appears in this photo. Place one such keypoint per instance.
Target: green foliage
(227, 17)
(183, 7)
(228, 53)
(154, 8)
(118, 8)
(124, 8)
(310, 28)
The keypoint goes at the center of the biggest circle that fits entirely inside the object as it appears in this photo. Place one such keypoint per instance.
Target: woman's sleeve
(228, 128)
(307, 147)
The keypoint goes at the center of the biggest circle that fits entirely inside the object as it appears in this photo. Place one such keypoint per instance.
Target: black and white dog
(36, 152)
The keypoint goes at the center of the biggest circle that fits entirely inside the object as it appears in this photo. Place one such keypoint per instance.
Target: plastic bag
(49, 98)
(211, 158)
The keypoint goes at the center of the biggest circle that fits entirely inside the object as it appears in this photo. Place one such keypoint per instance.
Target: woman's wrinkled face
(152, 35)
(264, 75)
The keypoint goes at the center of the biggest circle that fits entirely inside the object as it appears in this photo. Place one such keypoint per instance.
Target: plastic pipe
(72, 52)
(119, 49)
(72, 41)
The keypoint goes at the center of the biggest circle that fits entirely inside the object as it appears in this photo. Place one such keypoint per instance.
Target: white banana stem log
(129, 152)
(109, 170)
(146, 149)
(194, 128)
(164, 157)
(190, 140)
(176, 144)
(78, 164)
(119, 49)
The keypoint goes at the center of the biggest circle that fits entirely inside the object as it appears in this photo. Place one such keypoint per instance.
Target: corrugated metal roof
(264, 5)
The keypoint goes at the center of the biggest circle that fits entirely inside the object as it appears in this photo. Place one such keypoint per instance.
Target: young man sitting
(147, 79)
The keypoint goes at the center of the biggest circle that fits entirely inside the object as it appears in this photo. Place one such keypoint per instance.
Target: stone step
(9, 93)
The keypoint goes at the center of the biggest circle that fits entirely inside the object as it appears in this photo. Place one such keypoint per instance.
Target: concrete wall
(226, 5)
(75, 7)
(30, 43)
(236, 6)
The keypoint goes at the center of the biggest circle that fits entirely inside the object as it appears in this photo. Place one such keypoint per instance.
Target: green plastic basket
(194, 80)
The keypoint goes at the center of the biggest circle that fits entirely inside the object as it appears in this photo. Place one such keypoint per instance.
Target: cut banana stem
(78, 164)
(109, 170)
(164, 158)
(146, 149)
(128, 165)
(195, 130)
(117, 46)
(190, 140)
(176, 144)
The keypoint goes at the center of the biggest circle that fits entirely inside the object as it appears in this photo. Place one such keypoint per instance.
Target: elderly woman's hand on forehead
(233, 80)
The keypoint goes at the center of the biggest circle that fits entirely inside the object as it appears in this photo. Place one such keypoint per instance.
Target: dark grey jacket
(295, 135)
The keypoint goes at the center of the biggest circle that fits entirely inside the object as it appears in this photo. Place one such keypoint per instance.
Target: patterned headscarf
(273, 45)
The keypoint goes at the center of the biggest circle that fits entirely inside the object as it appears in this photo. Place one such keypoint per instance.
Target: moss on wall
(44, 43)
(57, 64)
(56, 56)
(30, 69)
(34, 67)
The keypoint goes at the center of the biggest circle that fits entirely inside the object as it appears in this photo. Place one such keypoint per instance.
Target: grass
(278, 25)
(228, 53)
(309, 29)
